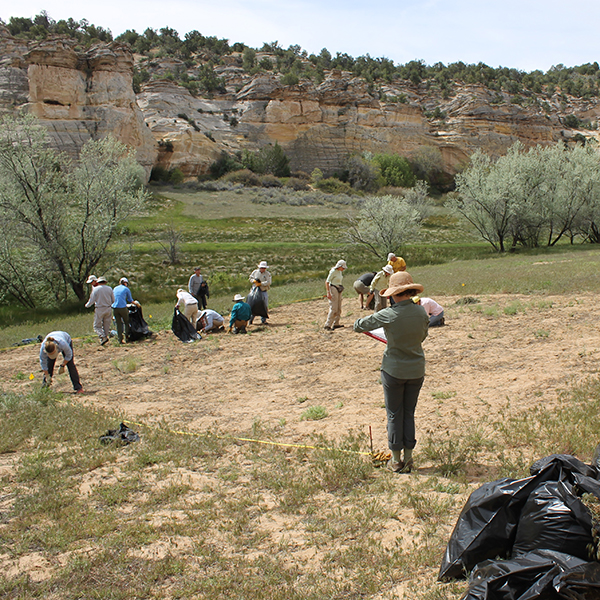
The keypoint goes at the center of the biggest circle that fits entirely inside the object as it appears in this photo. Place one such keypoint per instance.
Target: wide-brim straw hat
(399, 283)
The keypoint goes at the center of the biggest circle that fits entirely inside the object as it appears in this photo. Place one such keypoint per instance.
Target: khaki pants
(335, 307)
(102, 322)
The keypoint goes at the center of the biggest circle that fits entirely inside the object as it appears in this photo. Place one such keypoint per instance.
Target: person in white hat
(334, 287)
(123, 297)
(380, 282)
(187, 306)
(53, 344)
(92, 279)
(403, 364)
(261, 278)
(241, 313)
(209, 320)
(396, 262)
(102, 298)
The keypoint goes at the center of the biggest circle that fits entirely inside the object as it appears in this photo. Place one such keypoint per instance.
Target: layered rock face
(321, 125)
(77, 94)
(81, 94)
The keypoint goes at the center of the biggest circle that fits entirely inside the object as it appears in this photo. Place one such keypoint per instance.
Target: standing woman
(403, 366)
(334, 288)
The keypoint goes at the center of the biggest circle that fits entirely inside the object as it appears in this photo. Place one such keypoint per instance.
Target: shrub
(159, 173)
(270, 159)
(244, 176)
(270, 181)
(290, 79)
(176, 176)
(224, 164)
(332, 185)
(301, 175)
(297, 184)
(395, 170)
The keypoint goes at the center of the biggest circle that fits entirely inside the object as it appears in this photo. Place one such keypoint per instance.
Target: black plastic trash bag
(123, 436)
(562, 466)
(538, 575)
(554, 518)
(183, 329)
(138, 328)
(487, 525)
(257, 304)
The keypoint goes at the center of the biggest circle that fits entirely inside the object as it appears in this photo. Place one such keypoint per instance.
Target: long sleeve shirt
(122, 296)
(63, 342)
(406, 325)
(194, 284)
(211, 317)
(264, 278)
(185, 298)
(380, 281)
(241, 311)
(102, 296)
(432, 308)
(335, 277)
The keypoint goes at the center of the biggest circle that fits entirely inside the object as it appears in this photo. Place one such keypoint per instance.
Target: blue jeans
(434, 320)
(401, 397)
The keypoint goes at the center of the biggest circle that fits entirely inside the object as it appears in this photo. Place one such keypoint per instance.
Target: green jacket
(405, 325)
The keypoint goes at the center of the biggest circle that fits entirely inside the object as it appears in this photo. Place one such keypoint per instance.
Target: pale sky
(524, 34)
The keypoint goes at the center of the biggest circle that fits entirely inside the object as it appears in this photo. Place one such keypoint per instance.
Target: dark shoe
(442, 321)
(337, 326)
(407, 467)
(395, 467)
(327, 327)
(104, 341)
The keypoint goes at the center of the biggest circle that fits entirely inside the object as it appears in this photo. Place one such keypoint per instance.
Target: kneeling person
(209, 320)
(241, 313)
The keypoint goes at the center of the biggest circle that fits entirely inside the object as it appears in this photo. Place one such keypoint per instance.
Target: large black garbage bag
(138, 328)
(562, 466)
(183, 329)
(257, 304)
(554, 518)
(534, 576)
(487, 525)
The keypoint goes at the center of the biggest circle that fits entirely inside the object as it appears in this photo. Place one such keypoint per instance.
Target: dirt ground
(518, 349)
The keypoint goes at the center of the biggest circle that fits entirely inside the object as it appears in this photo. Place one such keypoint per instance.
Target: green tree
(384, 224)
(395, 170)
(59, 213)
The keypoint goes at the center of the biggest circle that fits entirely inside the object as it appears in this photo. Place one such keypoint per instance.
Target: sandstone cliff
(78, 94)
(87, 93)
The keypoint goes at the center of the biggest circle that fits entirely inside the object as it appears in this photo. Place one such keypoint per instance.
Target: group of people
(405, 322)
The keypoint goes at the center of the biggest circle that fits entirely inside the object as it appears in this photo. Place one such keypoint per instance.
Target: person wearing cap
(379, 283)
(187, 306)
(102, 298)
(334, 287)
(209, 320)
(93, 280)
(261, 278)
(403, 365)
(123, 297)
(434, 311)
(396, 262)
(241, 313)
(53, 344)
(361, 287)
(197, 289)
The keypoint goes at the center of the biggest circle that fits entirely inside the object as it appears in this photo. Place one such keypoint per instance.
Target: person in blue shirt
(121, 312)
(241, 313)
(53, 344)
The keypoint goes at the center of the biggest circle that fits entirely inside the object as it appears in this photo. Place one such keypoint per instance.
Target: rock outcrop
(88, 93)
(77, 94)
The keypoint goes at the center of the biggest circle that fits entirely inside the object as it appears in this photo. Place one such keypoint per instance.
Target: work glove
(61, 369)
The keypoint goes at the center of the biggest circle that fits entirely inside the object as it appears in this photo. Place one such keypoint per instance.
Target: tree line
(198, 50)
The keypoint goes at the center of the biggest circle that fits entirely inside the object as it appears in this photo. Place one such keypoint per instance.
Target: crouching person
(55, 343)
(209, 320)
(241, 313)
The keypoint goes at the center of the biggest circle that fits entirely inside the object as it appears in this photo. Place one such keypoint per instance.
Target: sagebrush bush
(270, 181)
(244, 176)
(332, 185)
(297, 184)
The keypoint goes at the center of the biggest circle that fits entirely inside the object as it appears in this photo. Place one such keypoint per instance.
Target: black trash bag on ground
(138, 328)
(183, 329)
(533, 576)
(257, 304)
(563, 466)
(123, 436)
(554, 518)
(487, 525)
